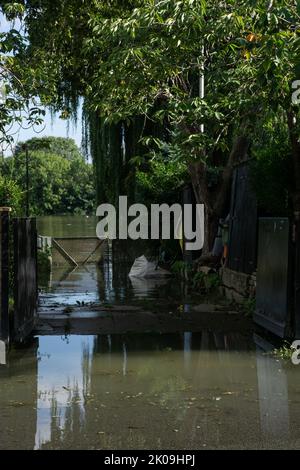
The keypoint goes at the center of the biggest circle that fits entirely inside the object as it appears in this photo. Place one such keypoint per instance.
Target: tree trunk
(198, 176)
(238, 153)
(211, 225)
(215, 201)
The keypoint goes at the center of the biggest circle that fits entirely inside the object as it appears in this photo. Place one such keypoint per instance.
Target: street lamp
(25, 147)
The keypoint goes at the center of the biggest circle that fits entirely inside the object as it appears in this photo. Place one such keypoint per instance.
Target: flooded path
(102, 299)
(193, 377)
(180, 391)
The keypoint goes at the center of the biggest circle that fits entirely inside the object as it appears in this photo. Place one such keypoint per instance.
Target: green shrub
(207, 282)
(285, 352)
(44, 267)
(271, 168)
(181, 269)
(10, 195)
(60, 182)
(198, 280)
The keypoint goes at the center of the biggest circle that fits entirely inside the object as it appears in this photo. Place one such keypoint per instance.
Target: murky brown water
(148, 392)
(207, 390)
(107, 281)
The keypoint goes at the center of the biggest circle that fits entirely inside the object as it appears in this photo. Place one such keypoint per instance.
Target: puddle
(178, 391)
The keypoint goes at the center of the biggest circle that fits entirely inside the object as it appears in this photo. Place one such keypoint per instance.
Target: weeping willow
(103, 142)
(112, 146)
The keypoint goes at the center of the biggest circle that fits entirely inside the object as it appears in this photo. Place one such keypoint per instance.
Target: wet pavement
(124, 319)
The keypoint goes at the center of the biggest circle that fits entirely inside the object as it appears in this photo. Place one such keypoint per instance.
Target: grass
(285, 352)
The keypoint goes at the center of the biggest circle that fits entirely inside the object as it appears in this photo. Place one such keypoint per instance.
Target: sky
(53, 125)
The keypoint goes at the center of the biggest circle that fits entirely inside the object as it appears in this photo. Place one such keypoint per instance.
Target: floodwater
(206, 390)
(180, 391)
(108, 281)
(67, 226)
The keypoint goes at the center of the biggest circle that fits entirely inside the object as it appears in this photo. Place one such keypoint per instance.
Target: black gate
(243, 223)
(273, 276)
(4, 274)
(25, 272)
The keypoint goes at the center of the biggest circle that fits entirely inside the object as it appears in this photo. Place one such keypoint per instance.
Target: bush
(206, 282)
(271, 169)
(161, 181)
(59, 183)
(44, 267)
(10, 195)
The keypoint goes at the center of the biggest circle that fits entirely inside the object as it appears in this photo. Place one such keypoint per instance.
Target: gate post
(4, 274)
(25, 275)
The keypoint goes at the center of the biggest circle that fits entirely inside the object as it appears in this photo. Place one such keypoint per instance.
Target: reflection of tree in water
(67, 422)
(172, 387)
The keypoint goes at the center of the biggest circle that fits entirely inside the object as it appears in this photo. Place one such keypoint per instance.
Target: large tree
(248, 53)
(19, 105)
(60, 180)
(147, 58)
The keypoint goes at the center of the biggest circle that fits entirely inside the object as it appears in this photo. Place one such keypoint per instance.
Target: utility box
(274, 277)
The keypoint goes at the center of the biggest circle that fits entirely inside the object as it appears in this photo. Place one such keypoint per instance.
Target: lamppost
(25, 147)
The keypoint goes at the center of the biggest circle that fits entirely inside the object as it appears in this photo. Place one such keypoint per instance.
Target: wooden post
(25, 277)
(4, 273)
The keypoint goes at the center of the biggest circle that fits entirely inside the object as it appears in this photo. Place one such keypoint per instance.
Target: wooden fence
(22, 246)
(25, 277)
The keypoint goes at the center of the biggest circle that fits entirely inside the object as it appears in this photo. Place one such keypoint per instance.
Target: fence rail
(76, 250)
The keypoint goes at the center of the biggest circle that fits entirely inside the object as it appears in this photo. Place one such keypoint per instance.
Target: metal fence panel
(272, 295)
(243, 223)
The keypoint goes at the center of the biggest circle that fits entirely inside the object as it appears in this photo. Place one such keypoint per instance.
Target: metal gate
(273, 276)
(25, 277)
(243, 223)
